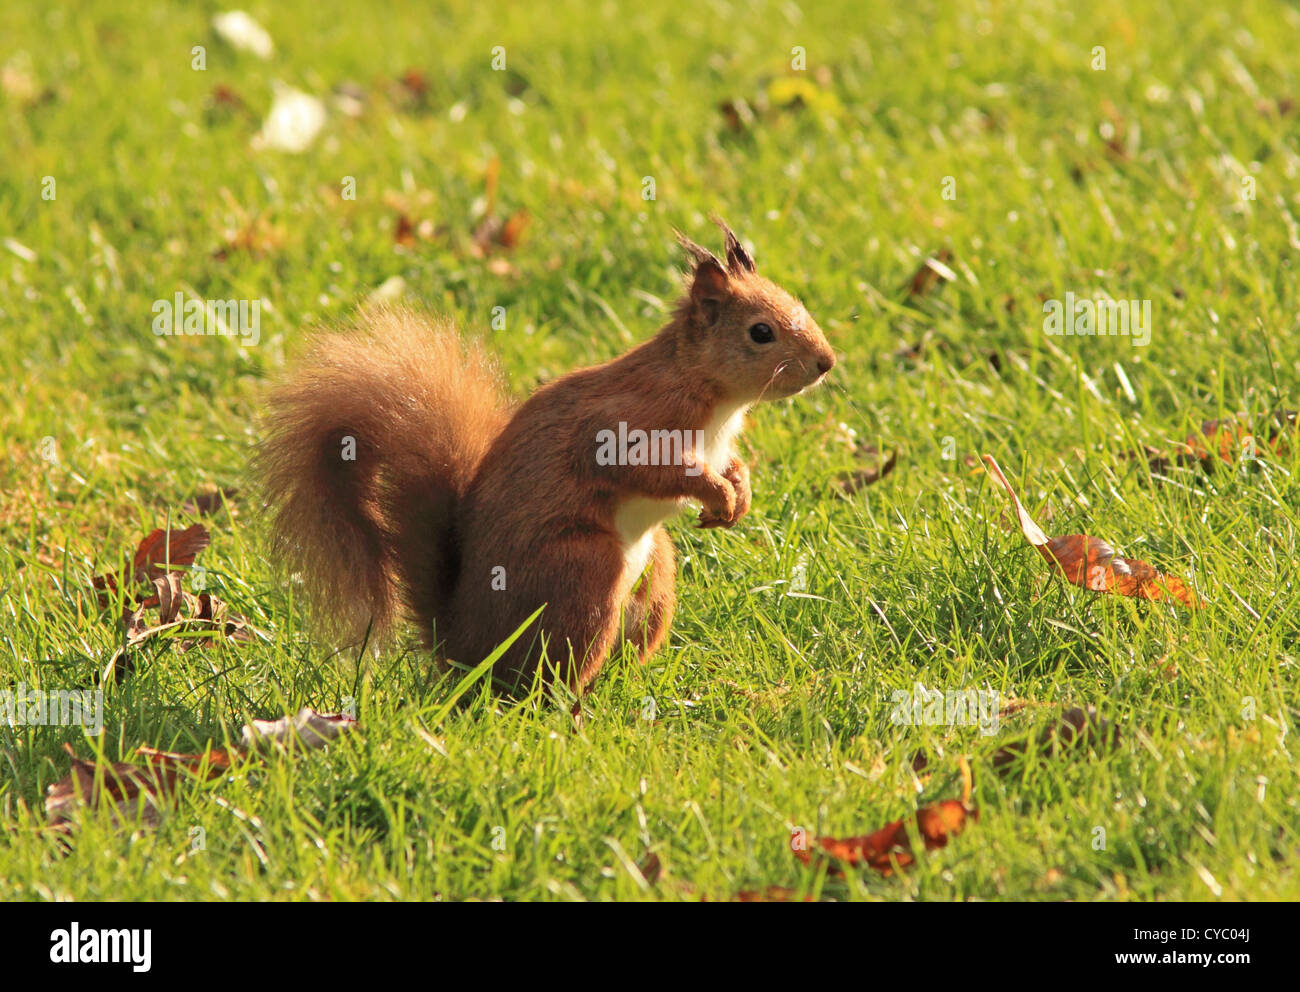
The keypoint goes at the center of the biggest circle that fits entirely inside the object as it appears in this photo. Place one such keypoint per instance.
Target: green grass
(793, 630)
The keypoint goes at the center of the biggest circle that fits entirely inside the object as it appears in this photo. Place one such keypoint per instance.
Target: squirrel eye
(761, 334)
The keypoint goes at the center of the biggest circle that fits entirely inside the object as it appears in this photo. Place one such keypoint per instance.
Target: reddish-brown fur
(449, 487)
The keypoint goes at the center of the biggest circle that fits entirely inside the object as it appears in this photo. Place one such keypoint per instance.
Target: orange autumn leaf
(159, 551)
(1229, 440)
(211, 763)
(891, 845)
(164, 548)
(1092, 563)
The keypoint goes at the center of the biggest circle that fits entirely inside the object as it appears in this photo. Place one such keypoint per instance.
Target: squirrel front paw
(737, 474)
(722, 508)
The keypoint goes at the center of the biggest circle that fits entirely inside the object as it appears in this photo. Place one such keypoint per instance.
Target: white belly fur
(637, 518)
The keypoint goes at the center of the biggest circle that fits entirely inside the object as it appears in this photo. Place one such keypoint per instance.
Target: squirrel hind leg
(648, 612)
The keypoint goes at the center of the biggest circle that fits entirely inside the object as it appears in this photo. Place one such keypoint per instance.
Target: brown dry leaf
(162, 550)
(1092, 563)
(920, 761)
(250, 232)
(863, 477)
(1077, 727)
(208, 503)
(738, 115)
(207, 613)
(890, 846)
(209, 764)
(208, 607)
(155, 559)
(933, 272)
(413, 88)
(652, 870)
(1227, 441)
(650, 867)
(1114, 132)
(494, 234)
(224, 103)
(135, 793)
(159, 551)
(404, 231)
(168, 597)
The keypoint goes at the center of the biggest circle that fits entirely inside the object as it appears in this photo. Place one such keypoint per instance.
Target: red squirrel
(402, 479)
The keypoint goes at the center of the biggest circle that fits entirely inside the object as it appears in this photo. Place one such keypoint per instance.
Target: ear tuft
(738, 259)
(699, 255)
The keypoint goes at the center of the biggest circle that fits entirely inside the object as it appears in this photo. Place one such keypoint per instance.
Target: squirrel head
(755, 340)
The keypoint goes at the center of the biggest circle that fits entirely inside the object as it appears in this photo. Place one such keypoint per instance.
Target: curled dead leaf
(1092, 563)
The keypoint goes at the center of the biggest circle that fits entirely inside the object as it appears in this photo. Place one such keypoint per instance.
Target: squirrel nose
(826, 363)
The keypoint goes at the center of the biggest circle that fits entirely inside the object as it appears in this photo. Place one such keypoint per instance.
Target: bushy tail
(368, 447)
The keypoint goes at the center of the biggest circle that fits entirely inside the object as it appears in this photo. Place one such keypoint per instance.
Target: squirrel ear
(709, 283)
(709, 287)
(738, 260)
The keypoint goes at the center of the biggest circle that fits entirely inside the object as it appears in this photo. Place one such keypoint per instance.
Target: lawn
(1135, 151)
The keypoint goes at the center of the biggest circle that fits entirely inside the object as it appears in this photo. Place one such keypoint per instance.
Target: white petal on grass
(312, 728)
(239, 30)
(293, 123)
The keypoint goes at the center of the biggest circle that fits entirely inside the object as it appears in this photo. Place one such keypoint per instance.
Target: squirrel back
(368, 449)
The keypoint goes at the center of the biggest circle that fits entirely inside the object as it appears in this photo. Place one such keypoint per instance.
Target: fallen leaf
(404, 231)
(224, 103)
(933, 272)
(209, 503)
(1227, 441)
(1076, 728)
(863, 477)
(738, 115)
(156, 559)
(1092, 563)
(159, 551)
(650, 867)
(250, 233)
(494, 233)
(135, 793)
(311, 728)
(890, 846)
(162, 550)
(209, 764)
(414, 87)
